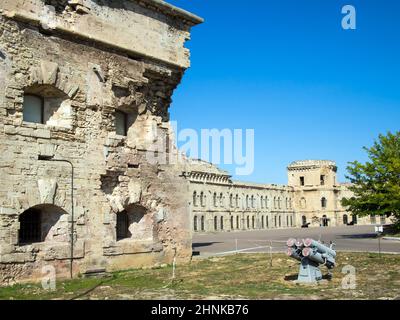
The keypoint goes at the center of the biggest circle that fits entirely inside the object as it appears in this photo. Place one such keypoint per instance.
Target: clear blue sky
(286, 68)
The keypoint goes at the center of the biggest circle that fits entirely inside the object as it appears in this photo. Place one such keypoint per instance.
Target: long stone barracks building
(312, 197)
(85, 87)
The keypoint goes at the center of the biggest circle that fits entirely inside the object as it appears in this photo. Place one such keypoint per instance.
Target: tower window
(302, 181)
(323, 202)
(322, 179)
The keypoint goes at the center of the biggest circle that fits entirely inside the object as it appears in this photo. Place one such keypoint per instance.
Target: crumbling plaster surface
(53, 51)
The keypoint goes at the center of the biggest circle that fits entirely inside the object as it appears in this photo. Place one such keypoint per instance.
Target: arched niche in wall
(134, 223)
(48, 105)
(43, 223)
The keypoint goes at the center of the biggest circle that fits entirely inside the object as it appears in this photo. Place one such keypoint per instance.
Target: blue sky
(287, 69)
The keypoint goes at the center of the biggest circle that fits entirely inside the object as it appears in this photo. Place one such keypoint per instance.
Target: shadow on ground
(203, 244)
(295, 276)
(358, 236)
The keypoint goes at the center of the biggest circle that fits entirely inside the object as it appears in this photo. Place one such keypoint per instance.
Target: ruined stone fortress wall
(313, 196)
(86, 60)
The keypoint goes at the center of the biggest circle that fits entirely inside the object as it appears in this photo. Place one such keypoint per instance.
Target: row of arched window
(236, 223)
(218, 200)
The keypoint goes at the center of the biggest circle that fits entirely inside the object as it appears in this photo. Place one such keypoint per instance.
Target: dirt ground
(241, 276)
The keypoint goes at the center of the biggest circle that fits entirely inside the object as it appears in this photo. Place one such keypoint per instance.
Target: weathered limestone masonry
(90, 82)
(312, 196)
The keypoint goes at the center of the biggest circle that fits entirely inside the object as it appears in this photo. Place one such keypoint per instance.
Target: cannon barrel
(299, 243)
(293, 253)
(320, 258)
(291, 242)
(310, 243)
(313, 255)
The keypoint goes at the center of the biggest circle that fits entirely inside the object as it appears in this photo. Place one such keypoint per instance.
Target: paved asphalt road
(346, 238)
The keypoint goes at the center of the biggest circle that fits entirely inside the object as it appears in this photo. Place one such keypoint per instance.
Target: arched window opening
(287, 221)
(41, 224)
(195, 223)
(266, 202)
(291, 221)
(215, 223)
(280, 221)
(215, 199)
(248, 222)
(304, 220)
(237, 201)
(345, 219)
(267, 221)
(325, 221)
(232, 226)
(323, 202)
(222, 223)
(276, 221)
(195, 199)
(47, 104)
(133, 223)
(253, 222)
(231, 200)
(221, 200)
(262, 222)
(253, 203)
(202, 223)
(202, 199)
(354, 220)
(247, 202)
(237, 222)
(262, 202)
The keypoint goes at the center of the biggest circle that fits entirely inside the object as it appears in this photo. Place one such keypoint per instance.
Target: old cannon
(311, 254)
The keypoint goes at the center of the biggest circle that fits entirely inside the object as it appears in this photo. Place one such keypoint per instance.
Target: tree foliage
(376, 184)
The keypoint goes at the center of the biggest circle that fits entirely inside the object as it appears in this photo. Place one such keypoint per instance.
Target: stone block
(42, 133)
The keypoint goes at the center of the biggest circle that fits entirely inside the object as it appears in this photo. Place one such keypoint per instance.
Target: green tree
(376, 184)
